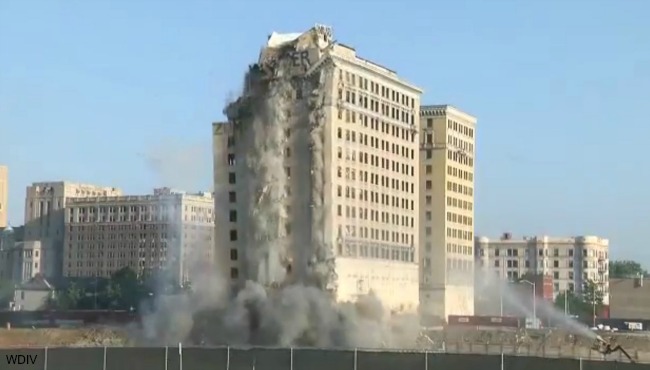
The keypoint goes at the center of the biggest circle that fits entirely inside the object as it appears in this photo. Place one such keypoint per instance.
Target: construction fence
(194, 358)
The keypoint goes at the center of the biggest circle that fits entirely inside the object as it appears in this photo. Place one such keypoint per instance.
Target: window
(496, 263)
(429, 169)
(233, 235)
(231, 178)
(233, 254)
(428, 185)
(556, 263)
(233, 215)
(556, 275)
(234, 273)
(232, 197)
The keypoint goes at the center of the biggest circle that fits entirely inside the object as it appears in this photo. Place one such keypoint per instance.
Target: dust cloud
(180, 166)
(287, 261)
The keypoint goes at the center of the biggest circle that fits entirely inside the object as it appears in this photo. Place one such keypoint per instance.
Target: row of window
(460, 188)
(455, 172)
(455, 233)
(377, 106)
(137, 209)
(372, 250)
(375, 216)
(542, 252)
(379, 235)
(376, 88)
(459, 203)
(111, 255)
(456, 218)
(375, 124)
(377, 161)
(458, 157)
(375, 179)
(460, 128)
(556, 264)
(375, 143)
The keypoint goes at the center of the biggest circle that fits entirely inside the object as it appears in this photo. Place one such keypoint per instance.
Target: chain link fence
(228, 358)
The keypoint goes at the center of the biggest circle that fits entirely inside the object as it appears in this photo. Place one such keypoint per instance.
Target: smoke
(180, 166)
(516, 299)
(288, 267)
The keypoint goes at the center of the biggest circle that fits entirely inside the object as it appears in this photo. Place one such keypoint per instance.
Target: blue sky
(104, 91)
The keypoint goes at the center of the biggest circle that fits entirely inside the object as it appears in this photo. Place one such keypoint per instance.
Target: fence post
(355, 359)
(166, 357)
(104, 359)
(426, 360)
(180, 356)
(580, 362)
(291, 352)
(228, 359)
(45, 363)
(502, 364)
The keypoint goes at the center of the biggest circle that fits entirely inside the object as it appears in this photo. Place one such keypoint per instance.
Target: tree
(127, 288)
(582, 305)
(625, 269)
(574, 304)
(69, 298)
(6, 293)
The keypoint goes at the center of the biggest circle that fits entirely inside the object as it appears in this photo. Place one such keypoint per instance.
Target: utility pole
(503, 282)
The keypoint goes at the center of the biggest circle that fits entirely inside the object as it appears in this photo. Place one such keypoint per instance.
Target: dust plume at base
(295, 315)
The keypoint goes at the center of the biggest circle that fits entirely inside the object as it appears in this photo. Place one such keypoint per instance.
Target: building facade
(20, 260)
(45, 217)
(169, 231)
(447, 150)
(629, 298)
(325, 188)
(4, 196)
(571, 261)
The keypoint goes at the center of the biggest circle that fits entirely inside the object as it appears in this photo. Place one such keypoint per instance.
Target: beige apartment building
(571, 261)
(447, 150)
(341, 188)
(4, 196)
(45, 204)
(169, 231)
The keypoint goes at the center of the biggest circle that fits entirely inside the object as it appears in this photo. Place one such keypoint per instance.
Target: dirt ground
(86, 337)
(102, 336)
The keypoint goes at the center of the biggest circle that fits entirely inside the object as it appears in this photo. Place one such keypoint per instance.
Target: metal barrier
(229, 358)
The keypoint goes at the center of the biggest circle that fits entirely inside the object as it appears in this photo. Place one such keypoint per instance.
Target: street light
(534, 301)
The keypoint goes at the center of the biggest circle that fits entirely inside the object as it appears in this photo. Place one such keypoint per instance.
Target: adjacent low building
(629, 298)
(45, 204)
(20, 260)
(570, 261)
(33, 295)
(169, 231)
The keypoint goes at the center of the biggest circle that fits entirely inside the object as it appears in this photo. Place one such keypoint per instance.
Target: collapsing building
(316, 171)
